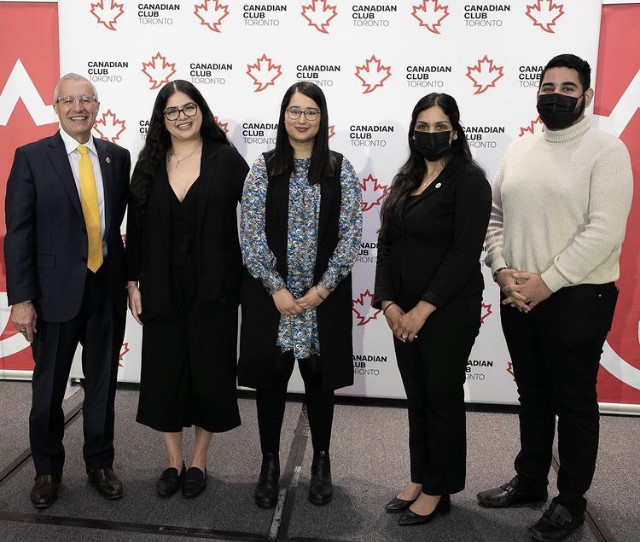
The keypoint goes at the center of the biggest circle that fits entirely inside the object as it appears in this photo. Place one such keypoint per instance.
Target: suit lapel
(106, 167)
(60, 161)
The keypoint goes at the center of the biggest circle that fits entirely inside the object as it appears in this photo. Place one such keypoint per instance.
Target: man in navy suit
(60, 295)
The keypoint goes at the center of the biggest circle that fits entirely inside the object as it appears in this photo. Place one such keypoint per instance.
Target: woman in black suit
(184, 268)
(429, 286)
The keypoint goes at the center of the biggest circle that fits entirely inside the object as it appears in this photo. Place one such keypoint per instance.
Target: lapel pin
(108, 159)
(438, 185)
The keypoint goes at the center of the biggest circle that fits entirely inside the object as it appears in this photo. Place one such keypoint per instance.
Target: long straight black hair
(280, 160)
(412, 171)
(158, 141)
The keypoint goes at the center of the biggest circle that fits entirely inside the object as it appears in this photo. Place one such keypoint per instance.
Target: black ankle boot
(320, 487)
(269, 482)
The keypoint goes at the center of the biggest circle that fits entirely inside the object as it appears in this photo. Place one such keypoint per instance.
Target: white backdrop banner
(373, 59)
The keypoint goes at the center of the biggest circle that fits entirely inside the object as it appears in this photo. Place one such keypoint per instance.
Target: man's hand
(529, 289)
(24, 317)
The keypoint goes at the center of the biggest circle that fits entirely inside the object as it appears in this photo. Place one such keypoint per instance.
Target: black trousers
(270, 403)
(555, 351)
(433, 370)
(100, 330)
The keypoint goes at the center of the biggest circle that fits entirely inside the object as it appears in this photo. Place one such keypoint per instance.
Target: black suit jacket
(46, 245)
(218, 258)
(430, 249)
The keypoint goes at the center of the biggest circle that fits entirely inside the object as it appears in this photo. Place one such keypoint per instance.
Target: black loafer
(557, 523)
(510, 494)
(169, 482)
(398, 505)
(107, 484)
(410, 518)
(45, 490)
(320, 486)
(266, 495)
(194, 482)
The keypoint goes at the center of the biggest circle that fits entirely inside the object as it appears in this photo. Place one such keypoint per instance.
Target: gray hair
(72, 77)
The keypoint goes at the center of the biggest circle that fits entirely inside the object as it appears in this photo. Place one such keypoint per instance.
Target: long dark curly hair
(412, 171)
(280, 160)
(153, 155)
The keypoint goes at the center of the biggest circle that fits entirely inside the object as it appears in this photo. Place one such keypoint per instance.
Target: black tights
(271, 403)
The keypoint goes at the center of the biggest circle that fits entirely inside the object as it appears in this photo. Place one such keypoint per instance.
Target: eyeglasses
(173, 113)
(70, 100)
(310, 114)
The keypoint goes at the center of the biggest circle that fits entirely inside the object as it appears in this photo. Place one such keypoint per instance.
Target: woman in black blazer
(429, 286)
(184, 267)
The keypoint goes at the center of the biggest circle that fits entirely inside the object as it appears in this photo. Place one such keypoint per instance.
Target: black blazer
(261, 319)
(430, 249)
(218, 257)
(46, 245)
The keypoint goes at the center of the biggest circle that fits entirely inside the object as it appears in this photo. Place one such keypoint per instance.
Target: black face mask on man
(432, 146)
(559, 111)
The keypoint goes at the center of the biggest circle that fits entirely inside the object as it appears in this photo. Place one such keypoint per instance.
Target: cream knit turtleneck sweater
(560, 206)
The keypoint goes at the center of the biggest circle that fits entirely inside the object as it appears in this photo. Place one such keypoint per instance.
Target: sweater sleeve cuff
(497, 263)
(554, 279)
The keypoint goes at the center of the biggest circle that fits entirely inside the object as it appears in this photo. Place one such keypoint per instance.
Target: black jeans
(271, 402)
(555, 351)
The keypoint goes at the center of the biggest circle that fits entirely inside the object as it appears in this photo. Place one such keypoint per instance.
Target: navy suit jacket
(46, 245)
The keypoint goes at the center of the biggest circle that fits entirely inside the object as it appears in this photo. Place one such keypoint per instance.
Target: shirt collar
(71, 144)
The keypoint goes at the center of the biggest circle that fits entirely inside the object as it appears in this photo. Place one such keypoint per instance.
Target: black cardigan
(218, 258)
(430, 249)
(261, 319)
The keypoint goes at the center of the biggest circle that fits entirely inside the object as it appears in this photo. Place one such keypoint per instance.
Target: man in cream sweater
(560, 206)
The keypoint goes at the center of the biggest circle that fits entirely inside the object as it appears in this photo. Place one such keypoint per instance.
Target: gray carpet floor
(369, 455)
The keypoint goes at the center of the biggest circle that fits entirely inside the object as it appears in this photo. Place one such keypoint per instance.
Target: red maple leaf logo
(211, 13)
(158, 70)
(545, 13)
(332, 131)
(319, 14)
(486, 311)
(536, 126)
(362, 308)
(109, 127)
(263, 72)
(123, 352)
(108, 16)
(372, 192)
(430, 14)
(372, 74)
(484, 74)
(223, 125)
(510, 369)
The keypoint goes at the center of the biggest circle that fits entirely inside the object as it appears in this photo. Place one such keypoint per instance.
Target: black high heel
(411, 518)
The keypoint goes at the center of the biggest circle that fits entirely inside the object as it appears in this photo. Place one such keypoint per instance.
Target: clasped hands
(523, 290)
(288, 305)
(405, 325)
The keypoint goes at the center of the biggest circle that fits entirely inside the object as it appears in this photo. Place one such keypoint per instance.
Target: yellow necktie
(90, 209)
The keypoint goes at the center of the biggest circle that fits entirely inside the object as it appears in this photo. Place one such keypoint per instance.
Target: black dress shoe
(320, 486)
(169, 481)
(398, 505)
(510, 494)
(194, 482)
(411, 518)
(106, 483)
(45, 490)
(266, 494)
(555, 524)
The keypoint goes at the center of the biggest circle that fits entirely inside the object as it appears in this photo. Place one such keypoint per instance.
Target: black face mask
(431, 146)
(558, 111)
